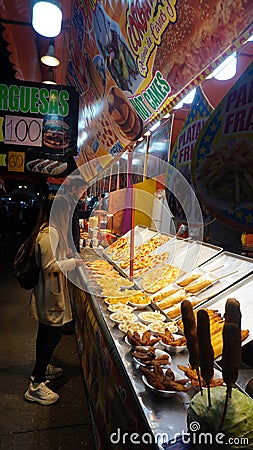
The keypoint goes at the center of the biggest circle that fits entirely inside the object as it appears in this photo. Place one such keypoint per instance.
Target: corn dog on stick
(206, 353)
(190, 331)
(231, 359)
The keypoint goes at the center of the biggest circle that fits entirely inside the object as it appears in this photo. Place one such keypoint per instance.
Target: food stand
(125, 411)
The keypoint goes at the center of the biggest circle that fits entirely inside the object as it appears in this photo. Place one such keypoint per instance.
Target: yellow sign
(16, 161)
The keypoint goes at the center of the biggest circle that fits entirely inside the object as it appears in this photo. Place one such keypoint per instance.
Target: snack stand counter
(125, 410)
(120, 402)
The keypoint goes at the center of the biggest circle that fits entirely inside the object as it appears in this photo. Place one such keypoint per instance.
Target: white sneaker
(41, 394)
(53, 372)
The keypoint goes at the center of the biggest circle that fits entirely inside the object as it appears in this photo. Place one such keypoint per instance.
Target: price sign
(16, 161)
(23, 131)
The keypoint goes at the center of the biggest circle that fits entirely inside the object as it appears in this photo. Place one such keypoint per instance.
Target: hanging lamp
(49, 59)
(50, 79)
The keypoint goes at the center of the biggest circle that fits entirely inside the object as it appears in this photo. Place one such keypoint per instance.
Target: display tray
(172, 247)
(225, 263)
(226, 269)
(241, 291)
(196, 254)
(141, 235)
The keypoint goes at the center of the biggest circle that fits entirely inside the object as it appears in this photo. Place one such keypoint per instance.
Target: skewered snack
(233, 312)
(176, 310)
(173, 299)
(166, 293)
(146, 340)
(194, 275)
(231, 354)
(198, 285)
(216, 328)
(190, 331)
(234, 416)
(206, 353)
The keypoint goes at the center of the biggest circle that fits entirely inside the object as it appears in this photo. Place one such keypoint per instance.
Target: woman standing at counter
(50, 302)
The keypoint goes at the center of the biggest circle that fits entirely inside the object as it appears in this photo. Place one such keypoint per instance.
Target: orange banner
(130, 60)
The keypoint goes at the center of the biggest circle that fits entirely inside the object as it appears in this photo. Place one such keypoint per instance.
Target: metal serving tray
(242, 291)
(225, 263)
(141, 235)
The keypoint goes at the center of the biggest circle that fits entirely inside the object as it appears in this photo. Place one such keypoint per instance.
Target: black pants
(47, 339)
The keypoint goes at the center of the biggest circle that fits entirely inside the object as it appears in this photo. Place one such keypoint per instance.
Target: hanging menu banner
(222, 163)
(37, 116)
(39, 122)
(129, 60)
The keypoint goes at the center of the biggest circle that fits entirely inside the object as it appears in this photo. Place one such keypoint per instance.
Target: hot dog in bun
(47, 166)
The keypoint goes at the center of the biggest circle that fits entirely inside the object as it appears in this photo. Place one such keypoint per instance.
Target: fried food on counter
(175, 310)
(146, 340)
(216, 328)
(165, 293)
(163, 275)
(164, 381)
(172, 299)
(199, 284)
(168, 339)
(148, 356)
(192, 375)
(117, 244)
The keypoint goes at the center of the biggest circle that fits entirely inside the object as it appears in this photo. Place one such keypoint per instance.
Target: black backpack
(24, 264)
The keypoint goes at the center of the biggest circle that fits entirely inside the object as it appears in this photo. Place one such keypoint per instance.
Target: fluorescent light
(47, 17)
(155, 126)
(226, 70)
(188, 99)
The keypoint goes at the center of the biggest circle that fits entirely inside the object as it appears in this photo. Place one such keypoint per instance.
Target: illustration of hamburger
(56, 134)
(127, 123)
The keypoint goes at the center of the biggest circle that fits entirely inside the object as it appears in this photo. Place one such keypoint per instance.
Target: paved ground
(28, 426)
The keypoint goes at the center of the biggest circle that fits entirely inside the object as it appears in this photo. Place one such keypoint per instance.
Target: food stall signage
(151, 98)
(16, 161)
(239, 109)
(187, 140)
(145, 25)
(182, 152)
(23, 131)
(34, 100)
(222, 163)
